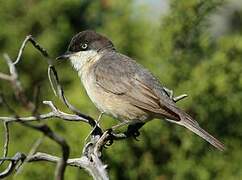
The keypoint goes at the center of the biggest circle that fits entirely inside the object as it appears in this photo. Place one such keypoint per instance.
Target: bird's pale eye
(84, 46)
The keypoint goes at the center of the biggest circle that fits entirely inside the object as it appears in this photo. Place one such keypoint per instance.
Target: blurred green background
(192, 46)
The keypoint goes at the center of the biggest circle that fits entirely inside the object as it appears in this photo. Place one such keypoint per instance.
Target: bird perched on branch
(122, 88)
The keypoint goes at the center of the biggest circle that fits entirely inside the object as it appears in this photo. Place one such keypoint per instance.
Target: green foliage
(179, 49)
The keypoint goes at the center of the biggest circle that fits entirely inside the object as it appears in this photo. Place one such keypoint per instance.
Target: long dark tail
(194, 127)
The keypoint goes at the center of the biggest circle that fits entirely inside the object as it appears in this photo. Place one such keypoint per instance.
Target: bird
(121, 87)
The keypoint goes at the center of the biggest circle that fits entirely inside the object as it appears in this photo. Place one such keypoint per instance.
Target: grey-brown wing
(122, 76)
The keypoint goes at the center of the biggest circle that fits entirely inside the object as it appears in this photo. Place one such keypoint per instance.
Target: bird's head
(84, 46)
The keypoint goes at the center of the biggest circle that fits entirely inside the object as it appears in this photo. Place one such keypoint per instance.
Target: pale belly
(112, 104)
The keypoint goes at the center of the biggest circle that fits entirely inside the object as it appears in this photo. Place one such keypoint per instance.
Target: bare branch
(6, 141)
(178, 98)
(16, 83)
(6, 128)
(5, 77)
(48, 132)
(6, 105)
(170, 94)
(34, 43)
(36, 96)
(90, 160)
(21, 49)
(82, 162)
(13, 162)
(59, 92)
(31, 153)
(56, 113)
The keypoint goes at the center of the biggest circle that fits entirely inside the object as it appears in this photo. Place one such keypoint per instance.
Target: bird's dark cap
(94, 41)
(87, 40)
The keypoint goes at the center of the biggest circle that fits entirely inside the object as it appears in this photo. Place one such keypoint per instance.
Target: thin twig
(6, 105)
(31, 153)
(59, 92)
(6, 141)
(36, 97)
(55, 113)
(5, 77)
(16, 83)
(34, 43)
(22, 49)
(13, 162)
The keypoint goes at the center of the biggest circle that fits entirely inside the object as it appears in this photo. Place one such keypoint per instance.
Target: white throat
(81, 59)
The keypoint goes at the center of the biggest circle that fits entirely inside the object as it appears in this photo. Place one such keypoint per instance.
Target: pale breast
(108, 102)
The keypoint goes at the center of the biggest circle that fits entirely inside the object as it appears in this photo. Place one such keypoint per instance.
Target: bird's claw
(110, 138)
(136, 135)
(133, 130)
(108, 143)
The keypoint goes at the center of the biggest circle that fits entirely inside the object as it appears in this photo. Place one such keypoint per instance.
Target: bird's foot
(113, 136)
(133, 130)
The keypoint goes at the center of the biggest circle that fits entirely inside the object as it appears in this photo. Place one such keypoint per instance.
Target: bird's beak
(66, 55)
